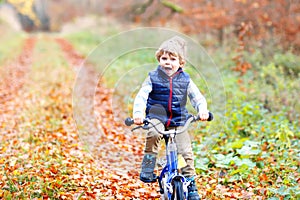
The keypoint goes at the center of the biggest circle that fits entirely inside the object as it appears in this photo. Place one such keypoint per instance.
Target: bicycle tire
(178, 193)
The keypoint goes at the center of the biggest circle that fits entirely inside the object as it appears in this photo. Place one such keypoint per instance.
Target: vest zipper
(170, 98)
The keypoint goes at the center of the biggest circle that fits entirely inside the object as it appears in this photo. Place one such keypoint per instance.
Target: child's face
(169, 63)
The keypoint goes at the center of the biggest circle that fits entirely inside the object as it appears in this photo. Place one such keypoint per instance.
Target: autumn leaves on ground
(42, 155)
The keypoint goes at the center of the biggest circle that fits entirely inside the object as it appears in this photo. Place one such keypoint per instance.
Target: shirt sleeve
(140, 101)
(198, 101)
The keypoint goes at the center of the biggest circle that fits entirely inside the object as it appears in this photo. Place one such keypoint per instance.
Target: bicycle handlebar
(129, 121)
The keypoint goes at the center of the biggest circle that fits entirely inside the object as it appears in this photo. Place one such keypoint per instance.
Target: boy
(163, 96)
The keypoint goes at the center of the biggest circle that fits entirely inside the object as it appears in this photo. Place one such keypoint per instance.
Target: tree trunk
(26, 23)
(40, 8)
(221, 36)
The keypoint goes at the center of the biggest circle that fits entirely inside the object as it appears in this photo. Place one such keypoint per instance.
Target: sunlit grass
(11, 45)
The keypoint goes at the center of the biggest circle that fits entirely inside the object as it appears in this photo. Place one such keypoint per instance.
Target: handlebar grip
(210, 116)
(129, 121)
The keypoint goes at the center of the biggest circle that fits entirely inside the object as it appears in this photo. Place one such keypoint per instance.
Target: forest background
(251, 150)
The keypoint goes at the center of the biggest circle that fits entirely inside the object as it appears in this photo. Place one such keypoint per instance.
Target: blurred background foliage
(259, 21)
(255, 45)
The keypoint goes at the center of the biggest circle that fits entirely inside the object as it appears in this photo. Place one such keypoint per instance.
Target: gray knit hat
(175, 45)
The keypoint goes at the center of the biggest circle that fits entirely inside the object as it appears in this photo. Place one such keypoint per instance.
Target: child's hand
(203, 115)
(138, 121)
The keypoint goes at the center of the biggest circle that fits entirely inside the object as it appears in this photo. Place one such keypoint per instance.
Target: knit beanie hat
(174, 45)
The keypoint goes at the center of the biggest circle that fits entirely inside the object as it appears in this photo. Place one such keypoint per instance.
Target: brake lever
(135, 128)
(145, 127)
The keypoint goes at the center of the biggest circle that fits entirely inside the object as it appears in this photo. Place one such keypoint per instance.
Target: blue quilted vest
(167, 100)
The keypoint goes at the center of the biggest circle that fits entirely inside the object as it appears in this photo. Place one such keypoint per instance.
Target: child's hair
(176, 46)
(159, 53)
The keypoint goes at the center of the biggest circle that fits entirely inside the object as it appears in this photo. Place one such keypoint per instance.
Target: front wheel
(178, 193)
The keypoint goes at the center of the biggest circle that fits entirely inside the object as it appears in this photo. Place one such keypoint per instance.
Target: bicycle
(173, 185)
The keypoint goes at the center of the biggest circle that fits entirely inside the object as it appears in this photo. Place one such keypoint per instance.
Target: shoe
(147, 170)
(193, 191)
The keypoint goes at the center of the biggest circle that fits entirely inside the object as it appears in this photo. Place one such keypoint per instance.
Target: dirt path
(116, 149)
(42, 153)
(13, 78)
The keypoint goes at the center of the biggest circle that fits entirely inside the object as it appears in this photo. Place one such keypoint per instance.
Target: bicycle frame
(170, 170)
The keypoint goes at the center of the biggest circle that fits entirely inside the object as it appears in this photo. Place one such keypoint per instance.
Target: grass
(85, 41)
(13, 44)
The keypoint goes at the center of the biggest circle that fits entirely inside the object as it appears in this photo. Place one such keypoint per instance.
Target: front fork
(170, 171)
(171, 151)
(166, 187)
